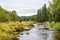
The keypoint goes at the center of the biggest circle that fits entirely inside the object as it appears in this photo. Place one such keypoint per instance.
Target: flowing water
(37, 34)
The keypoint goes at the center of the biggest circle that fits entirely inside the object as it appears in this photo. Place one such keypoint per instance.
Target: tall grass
(55, 26)
(9, 30)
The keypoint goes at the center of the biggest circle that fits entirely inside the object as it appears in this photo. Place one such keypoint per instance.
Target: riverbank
(53, 25)
(10, 30)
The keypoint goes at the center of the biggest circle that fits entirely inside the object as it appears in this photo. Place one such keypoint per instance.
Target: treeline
(7, 15)
(27, 18)
(51, 13)
(44, 14)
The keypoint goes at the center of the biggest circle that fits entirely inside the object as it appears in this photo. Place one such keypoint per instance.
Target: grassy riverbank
(9, 30)
(54, 26)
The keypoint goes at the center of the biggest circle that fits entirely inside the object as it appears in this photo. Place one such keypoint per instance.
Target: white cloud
(30, 6)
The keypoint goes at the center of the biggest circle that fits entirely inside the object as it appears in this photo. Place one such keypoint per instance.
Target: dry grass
(8, 30)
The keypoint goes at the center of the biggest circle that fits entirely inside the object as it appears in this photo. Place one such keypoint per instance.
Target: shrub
(57, 26)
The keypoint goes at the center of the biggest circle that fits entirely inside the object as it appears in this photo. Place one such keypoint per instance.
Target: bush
(57, 26)
(10, 30)
(19, 29)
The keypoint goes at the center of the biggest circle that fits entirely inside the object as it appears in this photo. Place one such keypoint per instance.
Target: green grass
(57, 26)
(54, 26)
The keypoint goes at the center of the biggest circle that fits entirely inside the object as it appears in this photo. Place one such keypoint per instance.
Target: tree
(39, 16)
(50, 16)
(55, 10)
(13, 16)
(3, 16)
(42, 14)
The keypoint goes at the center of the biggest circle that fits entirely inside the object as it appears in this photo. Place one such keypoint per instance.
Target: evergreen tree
(42, 14)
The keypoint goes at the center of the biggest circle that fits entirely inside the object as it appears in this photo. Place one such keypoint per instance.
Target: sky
(24, 7)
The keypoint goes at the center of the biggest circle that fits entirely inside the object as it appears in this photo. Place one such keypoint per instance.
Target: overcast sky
(23, 7)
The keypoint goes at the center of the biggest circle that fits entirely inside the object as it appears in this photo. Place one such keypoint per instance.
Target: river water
(37, 34)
